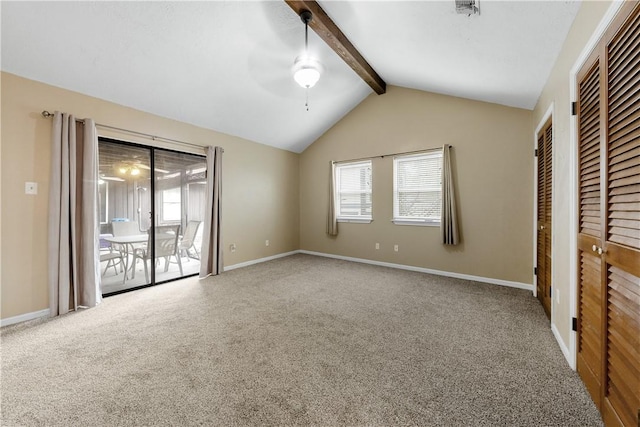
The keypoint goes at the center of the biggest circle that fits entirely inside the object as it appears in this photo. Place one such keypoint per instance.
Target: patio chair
(188, 240)
(113, 259)
(166, 244)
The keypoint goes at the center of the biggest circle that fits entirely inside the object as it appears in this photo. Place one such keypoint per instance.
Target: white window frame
(410, 220)
(364, 219)
(164, 204)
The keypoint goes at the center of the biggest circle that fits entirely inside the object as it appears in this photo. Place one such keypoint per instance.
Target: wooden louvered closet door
(589, 230)
(543, 256)
(609, 234)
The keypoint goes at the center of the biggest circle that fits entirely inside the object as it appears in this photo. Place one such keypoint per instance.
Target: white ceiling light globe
(306, 71)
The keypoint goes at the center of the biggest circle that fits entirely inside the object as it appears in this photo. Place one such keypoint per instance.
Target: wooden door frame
(571, 354)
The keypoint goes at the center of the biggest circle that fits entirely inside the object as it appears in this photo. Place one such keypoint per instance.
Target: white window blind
(353, 191)
(417, 188)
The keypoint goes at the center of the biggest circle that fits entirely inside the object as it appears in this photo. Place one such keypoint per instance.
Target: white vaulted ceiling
(227, 65)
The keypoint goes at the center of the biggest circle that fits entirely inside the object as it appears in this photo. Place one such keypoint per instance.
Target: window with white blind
(353, 191)
(417, 189)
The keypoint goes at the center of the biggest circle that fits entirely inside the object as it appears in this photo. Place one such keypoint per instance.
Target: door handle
(600, 251)
(594, 248)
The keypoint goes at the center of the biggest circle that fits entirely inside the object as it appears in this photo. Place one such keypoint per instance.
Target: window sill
(355, 221)
(417, 222)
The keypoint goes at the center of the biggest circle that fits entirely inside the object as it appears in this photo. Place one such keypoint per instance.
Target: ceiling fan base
(306, 16)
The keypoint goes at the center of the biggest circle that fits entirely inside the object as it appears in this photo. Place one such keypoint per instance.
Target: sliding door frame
(152, 149)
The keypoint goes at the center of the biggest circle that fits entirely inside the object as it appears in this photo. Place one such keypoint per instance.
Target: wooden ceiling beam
(335, 38)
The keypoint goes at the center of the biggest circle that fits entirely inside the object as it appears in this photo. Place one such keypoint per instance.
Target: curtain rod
(382, 156)
(47, 115)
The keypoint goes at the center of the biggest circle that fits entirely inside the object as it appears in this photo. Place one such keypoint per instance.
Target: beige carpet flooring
(297, 341)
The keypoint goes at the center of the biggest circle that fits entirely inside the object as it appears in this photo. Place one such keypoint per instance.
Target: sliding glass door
(180, 180)
(151, 212)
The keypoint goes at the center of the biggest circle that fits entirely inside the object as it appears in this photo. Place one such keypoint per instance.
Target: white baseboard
(426, 270)
(500, 282)
(24, 317)
(259, 260)
(563, 346)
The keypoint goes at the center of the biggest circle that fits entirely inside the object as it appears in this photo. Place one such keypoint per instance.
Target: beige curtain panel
(449, 223)
(74, 259)
(211, 254)
(332, 222)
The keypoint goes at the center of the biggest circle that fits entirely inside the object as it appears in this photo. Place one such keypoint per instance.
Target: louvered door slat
(633, 216)
(622, 105)
(590, 176)
(623, 84)
(625, 62)
(590, 169)
(624, 99)
(626, 171)
(628, 189)
(628, 165)
(625, 123)
(625, 197)
(590, 131)
(590, 154)
(626, 152)
(623, 182)
(620, 44)
(625, 135)
(590, 147)
(587, 89)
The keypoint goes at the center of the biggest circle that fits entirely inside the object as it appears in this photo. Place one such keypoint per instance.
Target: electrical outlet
(395, 248)
(377, 245)
(31, 188)
(557, 296)
(232, 247)
(266, 242)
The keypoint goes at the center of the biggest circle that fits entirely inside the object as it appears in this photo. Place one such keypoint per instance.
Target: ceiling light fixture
(306, 70)
(129, 169)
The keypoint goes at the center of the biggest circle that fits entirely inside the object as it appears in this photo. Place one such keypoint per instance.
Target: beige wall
(556, 91)
(493, 165)
(260, 187)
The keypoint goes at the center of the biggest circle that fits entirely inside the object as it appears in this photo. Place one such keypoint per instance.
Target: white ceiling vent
(467, 7)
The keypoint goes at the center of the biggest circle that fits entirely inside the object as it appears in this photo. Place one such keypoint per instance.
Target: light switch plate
(31, 188)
